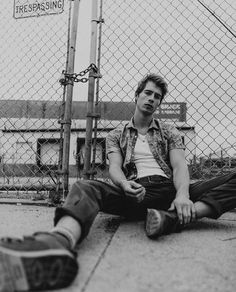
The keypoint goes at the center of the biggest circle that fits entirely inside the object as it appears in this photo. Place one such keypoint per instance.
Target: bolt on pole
(69, 96)
(91, 86)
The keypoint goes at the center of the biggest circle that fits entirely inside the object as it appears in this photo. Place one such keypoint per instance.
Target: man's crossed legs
(47, 261)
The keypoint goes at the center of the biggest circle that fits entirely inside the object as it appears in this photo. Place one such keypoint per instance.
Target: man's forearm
(181, 181)
(117, 176)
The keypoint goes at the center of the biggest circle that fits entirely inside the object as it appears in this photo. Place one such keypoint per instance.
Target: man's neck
(142, 122)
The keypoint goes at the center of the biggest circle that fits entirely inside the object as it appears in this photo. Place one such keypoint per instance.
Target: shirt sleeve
(112, 141)
(175, 139)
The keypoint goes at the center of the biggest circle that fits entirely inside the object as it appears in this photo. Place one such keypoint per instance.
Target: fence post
(69, 95)
(91, 85)
(101, 21)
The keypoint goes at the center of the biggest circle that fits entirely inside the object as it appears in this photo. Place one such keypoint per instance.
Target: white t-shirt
(145, 162)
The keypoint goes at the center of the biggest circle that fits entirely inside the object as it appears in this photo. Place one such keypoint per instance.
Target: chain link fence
(34, 48)
(192, 45)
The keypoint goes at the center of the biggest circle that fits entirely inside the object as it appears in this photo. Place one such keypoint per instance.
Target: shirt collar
(154, 124)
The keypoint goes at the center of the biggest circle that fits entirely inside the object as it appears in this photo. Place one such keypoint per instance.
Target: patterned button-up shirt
(161, 138)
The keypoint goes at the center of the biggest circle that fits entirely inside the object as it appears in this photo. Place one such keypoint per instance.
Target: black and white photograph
(118, 145)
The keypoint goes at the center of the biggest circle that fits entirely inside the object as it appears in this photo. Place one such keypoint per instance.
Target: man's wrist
(122, 182)
(183, 194)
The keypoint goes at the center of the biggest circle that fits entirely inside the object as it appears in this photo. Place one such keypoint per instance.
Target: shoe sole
(153, 223)
(36, 270)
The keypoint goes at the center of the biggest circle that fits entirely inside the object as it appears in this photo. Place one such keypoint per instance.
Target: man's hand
(185, 209)
(133, 190)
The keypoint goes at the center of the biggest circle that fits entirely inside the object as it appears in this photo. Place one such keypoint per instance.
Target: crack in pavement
(112, 226)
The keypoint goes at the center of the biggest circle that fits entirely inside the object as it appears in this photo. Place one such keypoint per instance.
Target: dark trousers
(87, 197)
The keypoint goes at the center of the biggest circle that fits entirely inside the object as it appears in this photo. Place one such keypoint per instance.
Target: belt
(151, 179)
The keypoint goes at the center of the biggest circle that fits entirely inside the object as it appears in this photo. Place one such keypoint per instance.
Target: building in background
(31, 143)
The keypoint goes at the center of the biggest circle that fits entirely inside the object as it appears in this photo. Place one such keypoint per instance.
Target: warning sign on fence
(175, 111)
(31, 8)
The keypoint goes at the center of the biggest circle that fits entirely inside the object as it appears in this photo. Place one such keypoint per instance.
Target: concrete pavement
(117, 256)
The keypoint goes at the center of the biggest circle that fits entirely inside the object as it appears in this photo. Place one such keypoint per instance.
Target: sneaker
(30, 264)
(161, 222)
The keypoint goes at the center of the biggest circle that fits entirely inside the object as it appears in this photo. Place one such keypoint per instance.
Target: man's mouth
(148, 105)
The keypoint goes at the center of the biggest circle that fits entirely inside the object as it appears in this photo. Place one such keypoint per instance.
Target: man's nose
(151, 97)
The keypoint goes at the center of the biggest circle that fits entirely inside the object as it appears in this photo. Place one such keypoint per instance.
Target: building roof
(25, 115)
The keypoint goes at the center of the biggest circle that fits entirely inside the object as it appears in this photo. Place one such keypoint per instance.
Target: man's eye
(157, 96)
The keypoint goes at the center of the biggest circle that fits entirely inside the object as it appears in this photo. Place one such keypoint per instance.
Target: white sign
(31, 8)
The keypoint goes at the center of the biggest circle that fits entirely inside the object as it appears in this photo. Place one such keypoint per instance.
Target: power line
(213, 13)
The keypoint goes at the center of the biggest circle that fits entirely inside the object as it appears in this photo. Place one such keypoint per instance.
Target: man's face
(149, 99)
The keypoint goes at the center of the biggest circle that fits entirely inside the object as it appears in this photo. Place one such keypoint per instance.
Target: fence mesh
(33, 54)
(192, 45)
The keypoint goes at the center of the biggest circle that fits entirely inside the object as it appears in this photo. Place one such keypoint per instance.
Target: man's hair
(157, 79)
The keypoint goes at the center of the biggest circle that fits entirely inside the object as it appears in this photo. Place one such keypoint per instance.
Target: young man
(150, 181)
